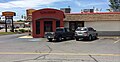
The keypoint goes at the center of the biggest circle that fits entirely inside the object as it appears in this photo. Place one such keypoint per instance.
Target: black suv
(59, 34)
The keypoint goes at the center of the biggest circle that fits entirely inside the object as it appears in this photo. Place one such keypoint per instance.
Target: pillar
(61, 23)
(54, 25)
(41, 28)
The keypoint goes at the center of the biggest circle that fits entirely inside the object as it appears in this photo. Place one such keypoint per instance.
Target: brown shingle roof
(92, 17)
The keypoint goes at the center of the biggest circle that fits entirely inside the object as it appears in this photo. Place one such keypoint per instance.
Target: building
(45, 20)
(107, 23)
(66, 10)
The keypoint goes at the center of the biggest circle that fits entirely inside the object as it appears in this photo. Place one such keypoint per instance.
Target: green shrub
(22, 30)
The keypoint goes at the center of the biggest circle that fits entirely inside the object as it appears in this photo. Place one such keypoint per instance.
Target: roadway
(14, 48)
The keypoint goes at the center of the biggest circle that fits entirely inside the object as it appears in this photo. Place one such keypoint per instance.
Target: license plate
(80, 34)
(48, 36)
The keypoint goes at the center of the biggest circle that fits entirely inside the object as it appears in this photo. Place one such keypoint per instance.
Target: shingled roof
(93, 16)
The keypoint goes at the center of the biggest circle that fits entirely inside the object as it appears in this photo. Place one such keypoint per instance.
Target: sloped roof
(92, 16)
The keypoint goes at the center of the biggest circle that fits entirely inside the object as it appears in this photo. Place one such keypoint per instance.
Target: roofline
(96, 13)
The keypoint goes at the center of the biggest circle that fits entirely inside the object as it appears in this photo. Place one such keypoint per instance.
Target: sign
(48, 12)
(30, 11)
(8, 14)
(8, 20)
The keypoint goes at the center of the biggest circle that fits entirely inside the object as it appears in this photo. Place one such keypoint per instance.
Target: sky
(20, 6)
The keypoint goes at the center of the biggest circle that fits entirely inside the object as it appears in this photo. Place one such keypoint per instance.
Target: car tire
(77, 39)
(65, 39)
(96, 36)
(72, 38)
(90, 37)
(59, 39)
(50, 40)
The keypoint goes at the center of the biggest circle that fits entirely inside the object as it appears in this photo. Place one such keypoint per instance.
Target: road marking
(117, 41)
(89, 42)
(71, 54)
(26, 37)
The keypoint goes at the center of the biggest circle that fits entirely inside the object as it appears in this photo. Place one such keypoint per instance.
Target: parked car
(59, 34)
(85, 33)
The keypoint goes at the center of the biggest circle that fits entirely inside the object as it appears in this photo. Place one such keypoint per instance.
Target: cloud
(78, 3)
(87, 4)
(27, 3)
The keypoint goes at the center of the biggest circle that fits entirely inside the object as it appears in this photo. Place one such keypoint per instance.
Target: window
(37, 27)
(59, 30)
(90, 29)
(81, 29)
(48, 26)
(67, 30)
(57, 24)
(75, 24)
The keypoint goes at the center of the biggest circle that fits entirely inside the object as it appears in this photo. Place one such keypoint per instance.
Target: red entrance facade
(46, 20)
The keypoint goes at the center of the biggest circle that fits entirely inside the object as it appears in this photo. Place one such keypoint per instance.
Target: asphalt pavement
(22, 48)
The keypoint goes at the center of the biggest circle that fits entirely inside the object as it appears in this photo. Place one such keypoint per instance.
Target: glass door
(48, 26)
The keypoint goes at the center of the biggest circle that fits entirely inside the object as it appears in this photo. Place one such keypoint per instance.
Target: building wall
(104, 25)
(44, 17)
(66, 24)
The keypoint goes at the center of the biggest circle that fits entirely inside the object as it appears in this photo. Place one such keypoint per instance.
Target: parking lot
(16, 48)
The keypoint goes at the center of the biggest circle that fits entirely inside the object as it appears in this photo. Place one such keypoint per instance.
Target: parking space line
(70, 54)
(117, 41)
(25, 37)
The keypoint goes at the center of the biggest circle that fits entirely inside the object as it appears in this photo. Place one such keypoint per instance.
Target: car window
(90, 29)
(81, 29)
(67, 30)
(59, 30)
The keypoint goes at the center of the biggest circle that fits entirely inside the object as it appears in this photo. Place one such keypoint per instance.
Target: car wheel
(96, 36)
(90, 37)
(72, 38)
(77, 39)
(65, 39)
(60, 38)
(50, 40)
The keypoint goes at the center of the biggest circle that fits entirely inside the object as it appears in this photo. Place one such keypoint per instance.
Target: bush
(22, 30)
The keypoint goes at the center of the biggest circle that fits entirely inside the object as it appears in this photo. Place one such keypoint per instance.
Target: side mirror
(94, 30)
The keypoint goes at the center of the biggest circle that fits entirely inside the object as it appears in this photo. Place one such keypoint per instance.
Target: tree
(115, 5)
(20, 20)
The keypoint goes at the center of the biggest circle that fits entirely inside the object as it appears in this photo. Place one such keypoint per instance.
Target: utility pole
(12, 24)
(5, 24)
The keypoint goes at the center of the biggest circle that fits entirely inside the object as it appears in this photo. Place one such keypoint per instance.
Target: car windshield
(81, 29)
(59, 30)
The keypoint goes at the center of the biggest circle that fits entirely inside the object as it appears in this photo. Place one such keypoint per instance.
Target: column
(61, 23)
(41, 28)
(54, 25)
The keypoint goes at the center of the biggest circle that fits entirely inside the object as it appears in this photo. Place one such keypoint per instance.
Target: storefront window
(48, 26)
(73, 25)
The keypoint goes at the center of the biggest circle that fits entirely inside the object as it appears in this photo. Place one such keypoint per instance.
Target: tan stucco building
(105, 23)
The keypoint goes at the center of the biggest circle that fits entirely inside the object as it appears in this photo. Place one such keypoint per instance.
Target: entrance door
(48, 26)
(75, 24)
